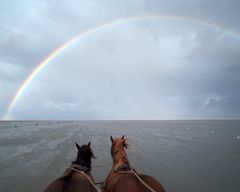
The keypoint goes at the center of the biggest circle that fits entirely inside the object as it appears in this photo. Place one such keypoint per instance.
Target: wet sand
(184, 156)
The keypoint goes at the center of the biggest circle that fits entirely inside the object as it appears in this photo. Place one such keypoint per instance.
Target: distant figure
(122, 177)
(77, 177)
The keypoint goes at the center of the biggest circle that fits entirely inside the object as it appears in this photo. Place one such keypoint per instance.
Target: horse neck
(83, 162)
(120, 157)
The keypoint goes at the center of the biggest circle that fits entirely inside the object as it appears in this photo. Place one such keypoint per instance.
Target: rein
(89, 179)
(145, 184)
(136, 175)
(118, 169)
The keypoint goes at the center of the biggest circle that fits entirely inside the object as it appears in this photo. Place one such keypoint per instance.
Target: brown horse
(77, 177)
(122, 178)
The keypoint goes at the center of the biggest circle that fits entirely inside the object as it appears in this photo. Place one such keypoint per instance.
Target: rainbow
(93, 30)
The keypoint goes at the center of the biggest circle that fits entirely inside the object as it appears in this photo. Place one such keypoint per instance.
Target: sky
(138, 59)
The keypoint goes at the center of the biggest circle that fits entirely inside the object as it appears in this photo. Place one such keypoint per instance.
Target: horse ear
(78, 147)
(122, 137)
(89, 144)
(111, 138)
(125, 144)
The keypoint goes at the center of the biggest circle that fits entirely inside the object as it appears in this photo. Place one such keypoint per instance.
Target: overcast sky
(186, 66)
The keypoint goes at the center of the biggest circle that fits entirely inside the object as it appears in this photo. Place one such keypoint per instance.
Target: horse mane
(122, 144)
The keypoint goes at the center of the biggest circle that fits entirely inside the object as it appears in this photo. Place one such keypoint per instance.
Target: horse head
(85, 155)
(119, 144)
(123, 177)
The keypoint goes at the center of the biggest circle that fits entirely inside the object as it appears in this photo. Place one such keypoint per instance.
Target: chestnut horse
(77, 177)
(122, 177)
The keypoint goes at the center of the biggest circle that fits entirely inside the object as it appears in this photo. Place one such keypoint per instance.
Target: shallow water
(185, 156)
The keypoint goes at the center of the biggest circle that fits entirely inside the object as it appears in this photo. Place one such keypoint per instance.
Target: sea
(184, 155)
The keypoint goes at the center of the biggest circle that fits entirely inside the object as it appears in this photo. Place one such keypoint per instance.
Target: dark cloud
(149, 69)
(220, 11)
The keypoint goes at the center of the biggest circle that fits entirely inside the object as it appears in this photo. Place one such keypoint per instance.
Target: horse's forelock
(125, 143)
(88, 151)
(85, 152)
(121, 140)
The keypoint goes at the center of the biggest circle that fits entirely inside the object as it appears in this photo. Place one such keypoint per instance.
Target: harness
(126, 169)
(145, 184)
(80, 168)
(83, 170)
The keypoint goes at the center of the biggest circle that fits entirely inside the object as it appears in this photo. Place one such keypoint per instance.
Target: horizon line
(190, 119)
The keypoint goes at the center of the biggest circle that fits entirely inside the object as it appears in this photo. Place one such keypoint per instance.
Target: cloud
(10, 72)
(136, 70)
(211, 100)
(63, 106)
